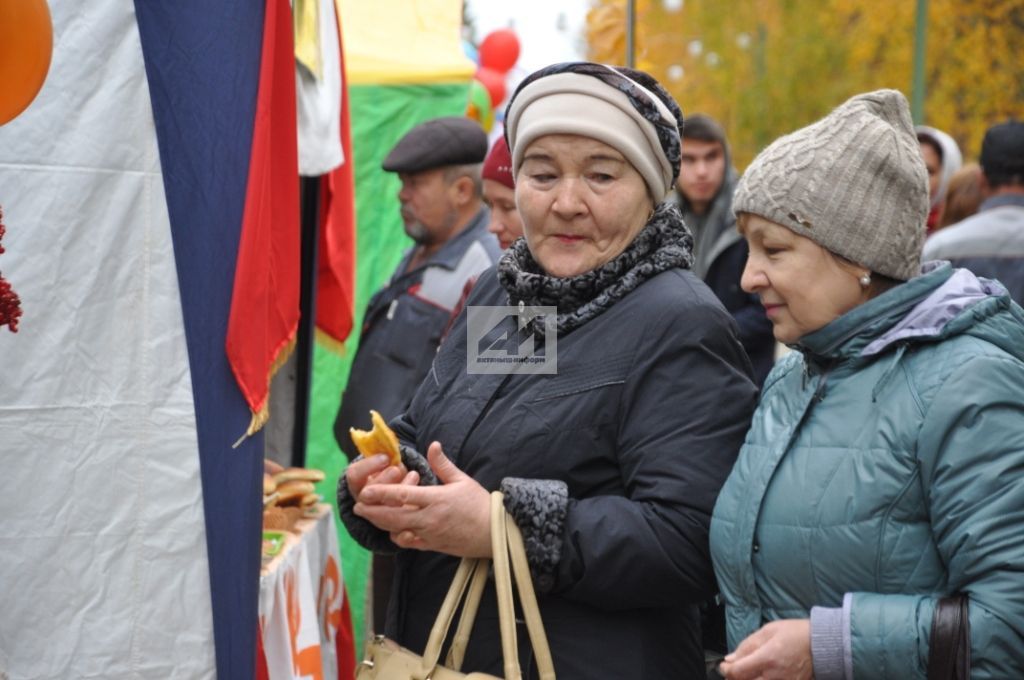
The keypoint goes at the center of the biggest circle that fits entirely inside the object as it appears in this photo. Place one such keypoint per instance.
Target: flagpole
(920, 36)
(310, 226)
(631, 33)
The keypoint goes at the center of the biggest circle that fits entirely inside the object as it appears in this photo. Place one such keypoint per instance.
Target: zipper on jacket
(821, 388)
(823, 371)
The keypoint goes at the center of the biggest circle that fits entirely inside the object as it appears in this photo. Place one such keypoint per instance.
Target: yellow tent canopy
(403, 41)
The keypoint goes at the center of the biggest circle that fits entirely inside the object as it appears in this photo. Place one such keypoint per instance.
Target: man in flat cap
(991, 242)
(438, 163)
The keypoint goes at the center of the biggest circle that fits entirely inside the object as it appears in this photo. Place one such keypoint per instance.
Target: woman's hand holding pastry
(382, 458)
(453, 517)
(376, 469)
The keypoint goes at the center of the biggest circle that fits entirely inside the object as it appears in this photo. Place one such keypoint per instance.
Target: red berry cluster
(10, 304)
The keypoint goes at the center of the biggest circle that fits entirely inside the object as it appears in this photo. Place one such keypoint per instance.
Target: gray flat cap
(452, 140)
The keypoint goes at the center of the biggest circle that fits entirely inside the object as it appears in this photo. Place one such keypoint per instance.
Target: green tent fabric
(380, 115)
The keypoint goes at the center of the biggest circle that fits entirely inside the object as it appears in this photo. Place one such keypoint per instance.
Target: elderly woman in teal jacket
(884, 468)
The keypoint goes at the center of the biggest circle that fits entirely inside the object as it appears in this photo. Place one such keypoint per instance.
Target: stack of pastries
(287, 494)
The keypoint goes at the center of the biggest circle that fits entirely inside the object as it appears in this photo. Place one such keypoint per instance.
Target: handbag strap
(503, 588)
(467, 567)
(457, 651)
(506, 540)
(949, 645)
(528, 601)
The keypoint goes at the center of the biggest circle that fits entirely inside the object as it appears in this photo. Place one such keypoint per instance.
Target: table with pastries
(305, 627)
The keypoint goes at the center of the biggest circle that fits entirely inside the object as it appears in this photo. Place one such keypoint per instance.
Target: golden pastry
(380, 439)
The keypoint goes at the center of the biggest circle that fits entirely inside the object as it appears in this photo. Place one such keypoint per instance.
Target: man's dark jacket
(403, 325)
(721, 255)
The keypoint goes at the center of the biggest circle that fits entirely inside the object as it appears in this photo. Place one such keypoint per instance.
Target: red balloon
(499, 50)
(494, 82)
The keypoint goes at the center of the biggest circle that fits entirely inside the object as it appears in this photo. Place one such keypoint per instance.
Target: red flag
(335, 297)
(345, 643)
(262, 672)
(265, 300)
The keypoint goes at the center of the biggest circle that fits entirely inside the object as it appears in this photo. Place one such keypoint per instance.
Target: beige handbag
(386, 660)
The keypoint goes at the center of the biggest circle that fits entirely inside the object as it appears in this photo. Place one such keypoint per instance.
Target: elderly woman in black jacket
(611, 465)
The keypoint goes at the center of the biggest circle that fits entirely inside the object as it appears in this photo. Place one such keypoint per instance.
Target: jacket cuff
(830, 642)
(365, 533)
(539, 508)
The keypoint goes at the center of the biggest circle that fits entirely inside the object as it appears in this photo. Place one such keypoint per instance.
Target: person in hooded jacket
(707, 180)
(991, 242)
(942, 158)
(610, 464)
(882, 470)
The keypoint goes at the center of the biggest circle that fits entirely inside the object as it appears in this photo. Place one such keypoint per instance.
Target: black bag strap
(949, 646)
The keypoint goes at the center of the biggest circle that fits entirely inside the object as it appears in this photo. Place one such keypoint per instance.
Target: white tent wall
(103, 567)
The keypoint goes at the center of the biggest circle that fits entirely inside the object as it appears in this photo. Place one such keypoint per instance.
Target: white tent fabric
(103, 561)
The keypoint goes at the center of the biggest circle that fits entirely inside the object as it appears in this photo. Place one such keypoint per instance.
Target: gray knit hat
(854, 183)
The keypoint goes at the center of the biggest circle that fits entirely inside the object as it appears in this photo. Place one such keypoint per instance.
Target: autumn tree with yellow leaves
(767, 67)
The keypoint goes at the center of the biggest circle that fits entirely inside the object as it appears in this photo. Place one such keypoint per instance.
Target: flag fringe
(260, 417)
(330, 343)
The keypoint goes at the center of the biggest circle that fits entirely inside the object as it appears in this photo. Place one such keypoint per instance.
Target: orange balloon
(26, 44)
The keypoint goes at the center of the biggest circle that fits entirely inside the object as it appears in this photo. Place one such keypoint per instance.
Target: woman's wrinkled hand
(779, 650)
(376, 470)
(453, 517)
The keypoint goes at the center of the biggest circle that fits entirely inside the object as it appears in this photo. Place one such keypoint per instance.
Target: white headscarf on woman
(951, 159)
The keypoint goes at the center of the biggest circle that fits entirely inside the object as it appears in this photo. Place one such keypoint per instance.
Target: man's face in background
(428, 208)
(701, 172)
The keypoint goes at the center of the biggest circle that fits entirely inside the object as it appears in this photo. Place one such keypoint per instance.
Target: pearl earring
(865, 280)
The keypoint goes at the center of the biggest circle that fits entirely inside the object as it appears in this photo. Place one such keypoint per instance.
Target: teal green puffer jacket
(883, 469)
